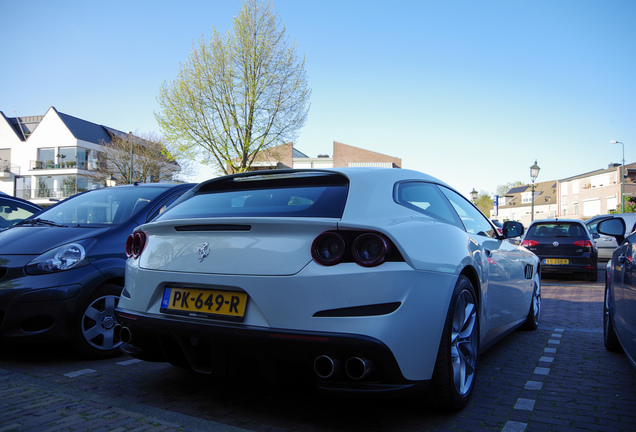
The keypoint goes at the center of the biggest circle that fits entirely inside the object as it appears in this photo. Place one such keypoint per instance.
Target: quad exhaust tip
(326, 366)
(356, 368)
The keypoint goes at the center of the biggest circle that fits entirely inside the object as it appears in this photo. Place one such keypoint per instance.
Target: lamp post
(131, 158)
(534, 173)
(622, 177)
(473, 195)
(111, 181)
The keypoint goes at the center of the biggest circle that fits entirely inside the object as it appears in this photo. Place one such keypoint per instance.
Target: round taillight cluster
(366, 249)
(328, 248)
(135, 244)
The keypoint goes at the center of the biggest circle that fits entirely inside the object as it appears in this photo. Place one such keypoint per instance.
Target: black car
(619, 312)
(62, 271)
(564, 246)
(14, 210)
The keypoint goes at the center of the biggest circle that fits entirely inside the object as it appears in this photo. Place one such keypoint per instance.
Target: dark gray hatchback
(62, 270)
(564, 246)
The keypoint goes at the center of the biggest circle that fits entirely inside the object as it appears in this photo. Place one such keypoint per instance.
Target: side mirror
(512, 229)
(614, 227)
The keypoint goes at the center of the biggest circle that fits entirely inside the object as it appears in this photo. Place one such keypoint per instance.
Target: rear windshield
(556, 229)
(248, 197)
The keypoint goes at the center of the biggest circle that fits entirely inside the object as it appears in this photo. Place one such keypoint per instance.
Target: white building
(47, 158)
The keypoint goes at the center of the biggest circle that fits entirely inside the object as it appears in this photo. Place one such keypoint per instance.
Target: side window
(427, 199)
(473, 220)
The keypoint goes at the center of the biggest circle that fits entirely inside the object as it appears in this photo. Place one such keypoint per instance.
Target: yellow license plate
(204, 303)
(557, 261)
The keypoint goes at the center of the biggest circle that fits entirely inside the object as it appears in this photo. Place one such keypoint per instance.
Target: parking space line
(525, 404)
(129, 362)
(79, 372)
(513, 426)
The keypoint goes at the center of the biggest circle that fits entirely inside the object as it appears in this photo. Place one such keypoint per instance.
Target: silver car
(607, 244)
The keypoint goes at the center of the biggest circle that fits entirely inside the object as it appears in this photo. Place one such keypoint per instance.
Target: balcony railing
(49, 164)
(56, 193)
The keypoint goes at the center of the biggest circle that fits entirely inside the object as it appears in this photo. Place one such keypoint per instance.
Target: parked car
(619, 312)
(14, 210)
(369, 280)
(62, 271)
(564, 246)
(605, 244)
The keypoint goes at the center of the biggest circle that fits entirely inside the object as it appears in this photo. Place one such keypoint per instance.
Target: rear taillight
(583, 243)
(328, 248)
(135, 244)
(368, 249)
(528, 243)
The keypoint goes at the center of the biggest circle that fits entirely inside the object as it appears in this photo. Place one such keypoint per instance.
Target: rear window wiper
(38, 221)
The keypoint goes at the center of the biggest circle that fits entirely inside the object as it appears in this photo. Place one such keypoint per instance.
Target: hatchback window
(557, 229)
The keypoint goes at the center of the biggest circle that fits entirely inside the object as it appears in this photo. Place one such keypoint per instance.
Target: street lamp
(473, 195)
(131, 157)
(622, 177)
(534, 173)
(111, 181)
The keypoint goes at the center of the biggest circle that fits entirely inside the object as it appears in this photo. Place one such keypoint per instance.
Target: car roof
(579, 221)
(354, 174)
(7, 197)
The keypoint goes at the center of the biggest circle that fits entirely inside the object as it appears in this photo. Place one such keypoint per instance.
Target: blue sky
(471, 92)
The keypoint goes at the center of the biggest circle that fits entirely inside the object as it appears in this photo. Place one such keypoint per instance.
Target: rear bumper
(218, 348)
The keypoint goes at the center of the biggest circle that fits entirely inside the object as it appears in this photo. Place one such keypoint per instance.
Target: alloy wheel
(464, 342)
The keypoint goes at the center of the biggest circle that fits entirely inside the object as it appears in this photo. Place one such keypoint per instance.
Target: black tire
(450, 390)
(534, 314)
(96, 322)
(610, 340)
(592, 276)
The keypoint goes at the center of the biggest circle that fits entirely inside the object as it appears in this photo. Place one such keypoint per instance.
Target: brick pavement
(558, 378)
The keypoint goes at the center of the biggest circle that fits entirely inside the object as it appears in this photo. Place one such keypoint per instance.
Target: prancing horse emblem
(204, 251)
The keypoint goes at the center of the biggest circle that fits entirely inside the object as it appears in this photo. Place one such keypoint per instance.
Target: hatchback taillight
(528, 243)
(135, 244)
(583, 243)
(368, 249)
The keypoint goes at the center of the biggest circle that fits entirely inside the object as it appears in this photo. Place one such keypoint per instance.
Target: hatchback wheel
(95, 338)
(610, 340)
(454, 375)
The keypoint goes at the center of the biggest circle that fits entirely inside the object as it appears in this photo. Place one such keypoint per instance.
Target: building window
(526, 197)
(46, 158)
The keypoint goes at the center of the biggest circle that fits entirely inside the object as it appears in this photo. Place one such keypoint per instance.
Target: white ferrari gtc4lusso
(369, 280)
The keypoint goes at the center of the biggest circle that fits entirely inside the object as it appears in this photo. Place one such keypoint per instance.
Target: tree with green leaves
(484, 203)
(238, 94)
